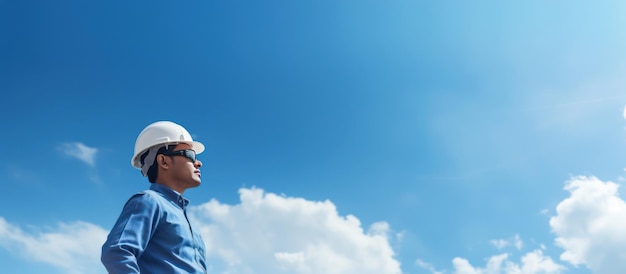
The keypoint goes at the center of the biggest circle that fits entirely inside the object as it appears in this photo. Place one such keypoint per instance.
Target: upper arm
(132, 231)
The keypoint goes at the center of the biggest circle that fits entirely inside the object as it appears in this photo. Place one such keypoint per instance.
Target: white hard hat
(160, 133)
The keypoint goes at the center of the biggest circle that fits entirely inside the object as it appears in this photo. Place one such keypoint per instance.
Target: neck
(173, 186)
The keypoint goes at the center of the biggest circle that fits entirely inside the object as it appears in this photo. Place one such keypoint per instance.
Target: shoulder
(143, 200)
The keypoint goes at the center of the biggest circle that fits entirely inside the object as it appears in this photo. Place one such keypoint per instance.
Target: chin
(196, 183)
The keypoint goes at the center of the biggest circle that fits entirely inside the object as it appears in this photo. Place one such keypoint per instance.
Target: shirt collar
(170, 194)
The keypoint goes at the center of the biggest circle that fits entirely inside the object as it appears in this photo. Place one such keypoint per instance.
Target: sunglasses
(188, 153)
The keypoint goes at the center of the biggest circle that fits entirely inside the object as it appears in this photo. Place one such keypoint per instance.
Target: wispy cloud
(499, 243)
(515, 241)
(80, 151)
(22, 175)
(427, 266)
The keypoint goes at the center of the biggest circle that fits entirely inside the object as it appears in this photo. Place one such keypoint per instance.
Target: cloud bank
(265, 233)
(268, 233)
(72, 248)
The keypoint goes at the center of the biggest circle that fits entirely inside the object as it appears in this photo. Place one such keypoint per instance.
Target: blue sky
(429, 137)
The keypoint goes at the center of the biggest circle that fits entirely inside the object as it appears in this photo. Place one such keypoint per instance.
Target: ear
(162, 161)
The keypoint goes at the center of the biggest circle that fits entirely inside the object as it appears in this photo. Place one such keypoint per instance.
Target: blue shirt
(154, 235)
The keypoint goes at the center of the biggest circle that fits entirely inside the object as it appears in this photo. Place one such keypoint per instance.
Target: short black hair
(153, 171)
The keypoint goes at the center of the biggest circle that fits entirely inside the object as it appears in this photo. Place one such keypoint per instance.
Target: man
(153, 233)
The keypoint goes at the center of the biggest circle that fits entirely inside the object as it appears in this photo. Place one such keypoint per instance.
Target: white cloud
(531, 262)
(624, 113)
(80, 151)
(73, 248)
(590, 225)
(268, 233)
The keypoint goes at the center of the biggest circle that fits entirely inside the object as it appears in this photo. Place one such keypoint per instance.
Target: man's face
(183, 171)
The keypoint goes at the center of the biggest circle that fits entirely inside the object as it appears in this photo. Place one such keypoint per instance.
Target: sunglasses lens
(191, 155)
(187, 153)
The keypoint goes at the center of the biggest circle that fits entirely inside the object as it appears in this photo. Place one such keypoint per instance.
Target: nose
(197, 163)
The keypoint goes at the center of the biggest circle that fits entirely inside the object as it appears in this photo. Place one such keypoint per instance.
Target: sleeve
(130, 234)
